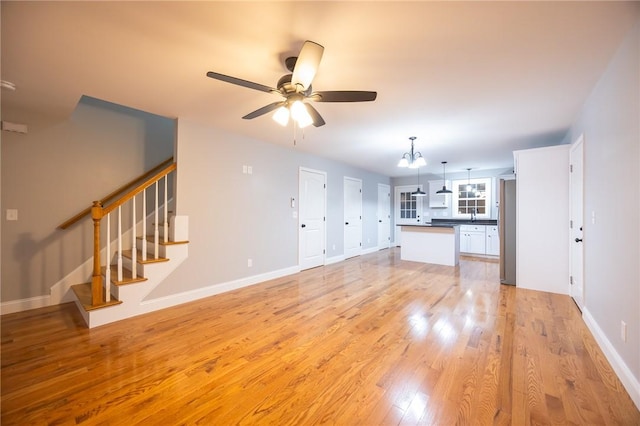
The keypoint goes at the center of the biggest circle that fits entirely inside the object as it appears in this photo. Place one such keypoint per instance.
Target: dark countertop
(441, 222)
(433, 225)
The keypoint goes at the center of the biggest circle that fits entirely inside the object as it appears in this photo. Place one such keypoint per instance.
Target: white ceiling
(472, 80)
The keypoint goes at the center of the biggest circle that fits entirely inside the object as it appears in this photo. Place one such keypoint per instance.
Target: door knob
(578, 240)
(303, 225)
(346, 223)
(380, 221)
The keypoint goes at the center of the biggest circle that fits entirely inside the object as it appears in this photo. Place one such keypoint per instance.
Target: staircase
(139, 259)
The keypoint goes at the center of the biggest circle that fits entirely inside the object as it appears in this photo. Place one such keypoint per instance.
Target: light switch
(12, 214)
(250, 170)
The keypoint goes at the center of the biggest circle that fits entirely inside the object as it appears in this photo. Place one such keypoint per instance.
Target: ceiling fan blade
(307, 64)
(241, 82)
(265, 109)
(315, 115)
(343, 96)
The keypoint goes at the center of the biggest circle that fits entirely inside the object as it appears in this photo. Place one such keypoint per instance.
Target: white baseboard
(334, 259)
(200, 293)
(20, 305)
(370, 250)
(629, 381)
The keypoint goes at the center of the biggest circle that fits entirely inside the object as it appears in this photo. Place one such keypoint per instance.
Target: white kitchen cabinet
(473, 239)
(492, 242)
(439, 200)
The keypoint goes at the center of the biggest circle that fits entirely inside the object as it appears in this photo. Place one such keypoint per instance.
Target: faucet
(473, 215)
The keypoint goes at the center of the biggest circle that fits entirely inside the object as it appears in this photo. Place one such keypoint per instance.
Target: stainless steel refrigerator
(507, 229)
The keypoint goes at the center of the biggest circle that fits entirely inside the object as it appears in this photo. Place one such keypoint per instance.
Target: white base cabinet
(480, 239)
(492, 241)
(472, 239)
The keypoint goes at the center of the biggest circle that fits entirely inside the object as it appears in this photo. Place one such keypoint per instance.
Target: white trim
(324, 241)
(212, 290)
(488, 197)
(20, 305)
(369, 250)
(344, 214)
(629, 381)
(334, 259)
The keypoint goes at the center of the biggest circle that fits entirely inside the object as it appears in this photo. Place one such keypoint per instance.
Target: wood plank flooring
(372, 340)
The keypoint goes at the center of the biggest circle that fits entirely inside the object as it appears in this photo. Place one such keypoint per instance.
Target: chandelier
(412, 159)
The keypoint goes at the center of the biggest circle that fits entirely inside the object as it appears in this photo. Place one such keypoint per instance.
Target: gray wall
(610, 122)
(55, 171)
(235, 216)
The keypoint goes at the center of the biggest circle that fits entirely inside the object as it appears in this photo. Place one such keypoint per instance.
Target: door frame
(576, 248)
(324, 236)
(344, 215)
(386, 188)
(396, 209)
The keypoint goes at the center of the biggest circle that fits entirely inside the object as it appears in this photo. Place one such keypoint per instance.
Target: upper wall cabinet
(436, 200)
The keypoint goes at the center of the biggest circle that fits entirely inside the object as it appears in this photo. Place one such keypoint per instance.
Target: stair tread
(150, 258)
(127, 276)
(151, 239)
(84, 295)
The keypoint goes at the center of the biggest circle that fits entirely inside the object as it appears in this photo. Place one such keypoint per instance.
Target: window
(472, 197)
(408, 206)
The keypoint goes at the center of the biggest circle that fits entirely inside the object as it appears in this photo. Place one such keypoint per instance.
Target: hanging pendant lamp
(444, 189)
(411, 159)
(469, 187)
(418, 192)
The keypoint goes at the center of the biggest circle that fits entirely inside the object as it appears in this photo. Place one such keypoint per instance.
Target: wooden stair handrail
(98, 212)
(138, 189)
(112, 195)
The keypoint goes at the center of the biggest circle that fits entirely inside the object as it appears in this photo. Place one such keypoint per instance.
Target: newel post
(96, 280)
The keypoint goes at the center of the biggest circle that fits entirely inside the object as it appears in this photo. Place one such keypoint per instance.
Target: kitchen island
(438, 244)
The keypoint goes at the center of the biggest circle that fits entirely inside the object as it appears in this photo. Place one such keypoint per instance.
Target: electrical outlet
(249, 263)
(623, 331)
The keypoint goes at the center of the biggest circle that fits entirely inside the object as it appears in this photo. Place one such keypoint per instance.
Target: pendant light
(469, 187)
(411, 159)
(418, 192)
(444, 189)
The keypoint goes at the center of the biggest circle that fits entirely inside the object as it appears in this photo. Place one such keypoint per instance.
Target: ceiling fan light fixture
(307, 65)
(281, 116)
(300, 114)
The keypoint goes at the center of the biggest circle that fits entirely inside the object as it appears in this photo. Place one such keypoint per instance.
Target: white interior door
(576, 177)
(312, 225)
(352, 217)
(384, 216)
(407, 209)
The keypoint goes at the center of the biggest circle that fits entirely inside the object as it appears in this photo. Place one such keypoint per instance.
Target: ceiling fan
(296, 88)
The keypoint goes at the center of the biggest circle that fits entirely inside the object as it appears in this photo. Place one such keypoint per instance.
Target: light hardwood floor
(372, 340)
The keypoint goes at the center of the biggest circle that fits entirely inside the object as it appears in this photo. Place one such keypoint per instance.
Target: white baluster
(119, 243)
(107, 284)
(134, 245)
(144, 225)
(156, 233)
(166, 211)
